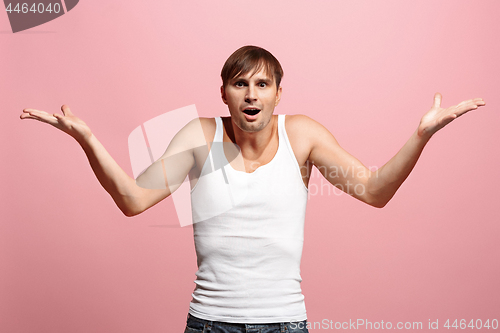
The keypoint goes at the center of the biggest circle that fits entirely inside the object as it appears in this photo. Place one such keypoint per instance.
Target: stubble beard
(252, 127)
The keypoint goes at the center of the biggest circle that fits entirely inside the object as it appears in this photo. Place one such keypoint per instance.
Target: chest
(247, 160)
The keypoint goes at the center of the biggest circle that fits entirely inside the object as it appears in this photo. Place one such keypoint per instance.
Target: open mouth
(251, 112)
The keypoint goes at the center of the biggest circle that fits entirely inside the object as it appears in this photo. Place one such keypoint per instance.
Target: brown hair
(251, 58)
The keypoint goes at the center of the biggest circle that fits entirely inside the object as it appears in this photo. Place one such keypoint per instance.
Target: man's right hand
(67, 122)
(131, 198)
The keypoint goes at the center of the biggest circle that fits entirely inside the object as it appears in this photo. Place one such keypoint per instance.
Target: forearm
(115, 181)
(383, 183)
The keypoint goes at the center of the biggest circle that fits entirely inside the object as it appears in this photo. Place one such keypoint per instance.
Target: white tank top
(248, 233)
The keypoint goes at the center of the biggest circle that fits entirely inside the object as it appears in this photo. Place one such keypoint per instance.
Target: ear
(278, 96)
(223, 94)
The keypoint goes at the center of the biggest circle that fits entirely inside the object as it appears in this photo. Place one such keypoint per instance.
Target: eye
(239, 84)
(262, 84)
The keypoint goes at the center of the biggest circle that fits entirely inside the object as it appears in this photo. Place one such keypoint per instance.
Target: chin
(251, 127)
(254, 126)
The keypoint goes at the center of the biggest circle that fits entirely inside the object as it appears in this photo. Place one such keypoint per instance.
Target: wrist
(86, 141)
(422, 136)
(423, 133)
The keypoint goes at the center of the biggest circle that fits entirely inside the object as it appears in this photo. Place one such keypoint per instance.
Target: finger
(34, 113)
(41, 116)
(465, 107)
(479, 101)
(27, 110)
(470, 105)
(66, 111)
(30, 113)
(437, 100)
(25, 114)
(474, 101)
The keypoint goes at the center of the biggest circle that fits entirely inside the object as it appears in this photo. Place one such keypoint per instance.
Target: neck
(253, 143)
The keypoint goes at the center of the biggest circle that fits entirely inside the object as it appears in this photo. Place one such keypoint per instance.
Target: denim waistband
(208, 324)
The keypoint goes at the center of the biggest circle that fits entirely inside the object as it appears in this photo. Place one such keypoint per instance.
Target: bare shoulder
(307, 136)
(206, 123)
(201, 130)
(302, 127)
(301, 131)
(298, 121)
(208, 126)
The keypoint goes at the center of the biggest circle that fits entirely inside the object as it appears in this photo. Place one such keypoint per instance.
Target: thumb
(66, 111)
(437, 100)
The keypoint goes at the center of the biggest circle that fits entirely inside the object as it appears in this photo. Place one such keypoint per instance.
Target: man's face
(251, 99)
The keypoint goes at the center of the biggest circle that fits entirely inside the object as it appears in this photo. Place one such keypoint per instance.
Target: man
(249, 202)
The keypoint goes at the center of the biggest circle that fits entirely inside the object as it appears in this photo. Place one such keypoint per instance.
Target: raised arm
(130, 198)
(377, 187)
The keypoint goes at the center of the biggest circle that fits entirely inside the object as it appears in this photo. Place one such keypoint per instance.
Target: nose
(250, 94)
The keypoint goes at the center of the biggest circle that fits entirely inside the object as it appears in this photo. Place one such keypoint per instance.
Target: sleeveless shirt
(248, 233)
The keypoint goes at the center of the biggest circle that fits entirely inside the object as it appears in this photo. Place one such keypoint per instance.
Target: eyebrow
(263, 79)
(266, 80)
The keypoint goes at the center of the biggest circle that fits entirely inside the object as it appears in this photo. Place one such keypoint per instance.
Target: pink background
(367, 70)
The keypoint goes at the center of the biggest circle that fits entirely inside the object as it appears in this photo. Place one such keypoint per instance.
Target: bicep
(167, 174)
(338, 166)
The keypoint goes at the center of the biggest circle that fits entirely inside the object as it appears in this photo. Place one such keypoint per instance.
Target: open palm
(438, 117)
(67, 122)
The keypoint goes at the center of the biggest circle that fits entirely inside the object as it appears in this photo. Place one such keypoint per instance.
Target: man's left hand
(438, 117)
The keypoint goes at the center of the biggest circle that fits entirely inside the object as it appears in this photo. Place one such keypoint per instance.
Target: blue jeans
(197, 325)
